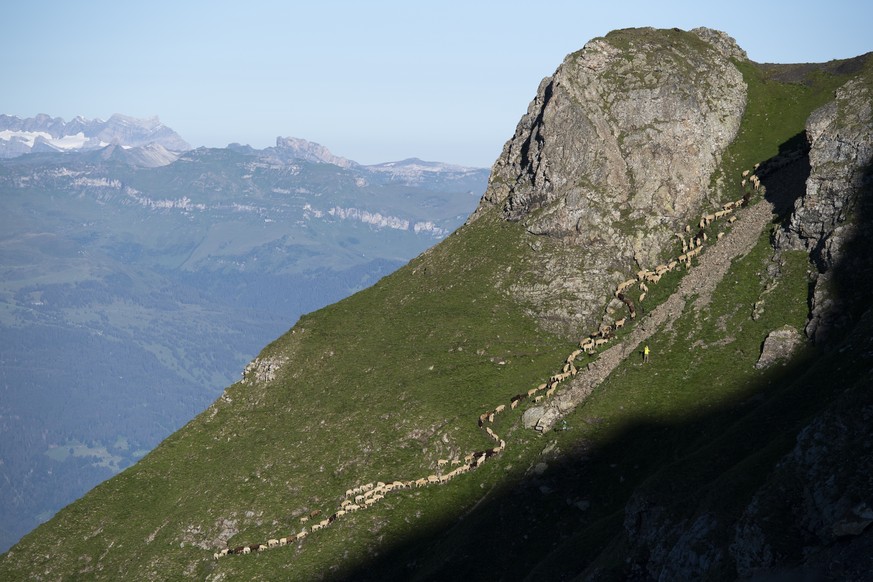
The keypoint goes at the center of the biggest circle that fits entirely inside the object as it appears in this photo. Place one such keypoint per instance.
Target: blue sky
(373, 81)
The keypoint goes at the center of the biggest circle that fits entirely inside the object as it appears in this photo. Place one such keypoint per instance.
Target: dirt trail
(701, 281)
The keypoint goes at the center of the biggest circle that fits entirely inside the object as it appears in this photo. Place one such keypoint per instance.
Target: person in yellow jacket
(645, 353)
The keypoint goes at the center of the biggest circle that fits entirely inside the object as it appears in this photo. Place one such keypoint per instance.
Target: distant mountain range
(139, 276)
(44, 133)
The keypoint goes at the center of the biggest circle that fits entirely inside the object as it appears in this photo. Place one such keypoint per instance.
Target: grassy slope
(358, 401)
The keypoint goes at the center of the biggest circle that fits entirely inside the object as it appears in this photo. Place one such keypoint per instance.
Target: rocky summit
(645, 356)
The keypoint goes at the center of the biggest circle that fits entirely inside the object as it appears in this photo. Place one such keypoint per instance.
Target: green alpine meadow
(486, 408)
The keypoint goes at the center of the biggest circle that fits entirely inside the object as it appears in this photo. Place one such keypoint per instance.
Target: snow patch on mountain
(44, 133)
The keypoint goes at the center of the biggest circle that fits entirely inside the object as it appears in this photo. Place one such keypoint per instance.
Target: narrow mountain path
(700, 281)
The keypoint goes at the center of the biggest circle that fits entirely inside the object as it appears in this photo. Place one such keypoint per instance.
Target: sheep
(620, 323)
(491, 417)
(702, 223)
(272, 542)
(442, 462)
(316, 527)
(531, 392)
(482, 418)
(732, 219)
(599, 342)
(743, 183)
(246, 550)
(642, 296)
(538, 398)
(432, 479)
(500, 408)
(550, 391)
(671, 265)
(687, 228)
(367, 487)
(304, 519)
(745, 173)
(721, 213)
(349, 492)
(326, 522)
(661, 269)
(380, 485)
(644, 288)
(360, 498)
(720, 235)
(283, 542)
(566, 368)
(302, 535)
(420, 482)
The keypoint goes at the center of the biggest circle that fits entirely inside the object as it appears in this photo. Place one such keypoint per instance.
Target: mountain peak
(309, 151)
(20, 136)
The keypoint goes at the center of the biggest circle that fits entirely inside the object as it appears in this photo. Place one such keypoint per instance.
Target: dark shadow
(784, 175)
(584, 516)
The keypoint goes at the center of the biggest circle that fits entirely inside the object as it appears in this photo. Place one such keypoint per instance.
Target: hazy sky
(373, 80)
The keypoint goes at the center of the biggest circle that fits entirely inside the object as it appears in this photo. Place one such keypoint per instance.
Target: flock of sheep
(365, 496)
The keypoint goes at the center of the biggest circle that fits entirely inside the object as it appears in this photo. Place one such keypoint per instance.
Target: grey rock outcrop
(817, 494)
(779, 345)
(825, 217)
(614, 155)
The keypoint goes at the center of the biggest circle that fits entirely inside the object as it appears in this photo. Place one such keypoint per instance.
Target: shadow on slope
(571, 507)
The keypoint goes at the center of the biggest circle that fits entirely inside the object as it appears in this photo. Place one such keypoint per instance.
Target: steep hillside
(685, 467)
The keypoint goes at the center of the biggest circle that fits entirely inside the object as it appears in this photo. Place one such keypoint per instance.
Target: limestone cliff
(615, 154)
(832, 215)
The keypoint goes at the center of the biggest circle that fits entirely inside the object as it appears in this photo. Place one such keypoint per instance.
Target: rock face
(778, 346)
(811, 517)
(614, 155)
(841, 138)
(818, 495)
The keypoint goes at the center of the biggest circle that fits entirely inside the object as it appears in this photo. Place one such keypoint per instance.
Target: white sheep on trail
(620, 323)
(443, 462)
(272, 543)
(720, 235)
(642, 296)
(732, 219)
(644, 288)
(745, 173)
(500, 408)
